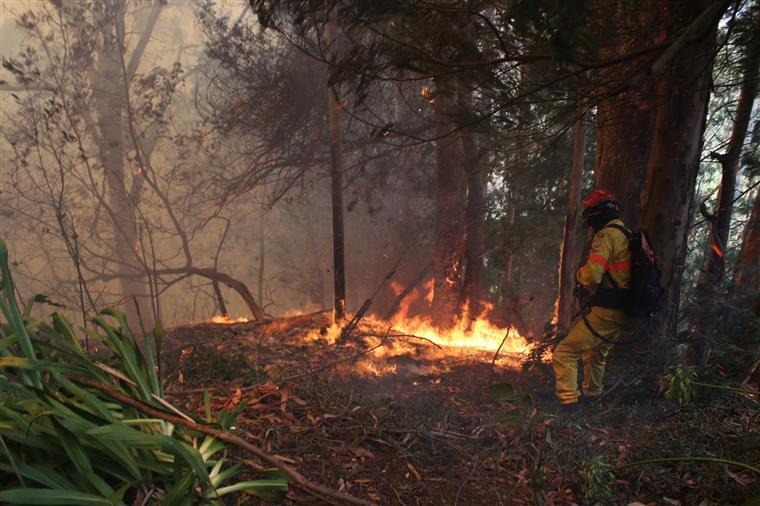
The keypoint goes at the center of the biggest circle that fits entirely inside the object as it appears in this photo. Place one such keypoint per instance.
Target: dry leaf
(362, 452)
(234, 400)
(414, 471)
(742, 479)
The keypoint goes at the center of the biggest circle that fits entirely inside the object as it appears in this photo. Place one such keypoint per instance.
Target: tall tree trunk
(746, 279)
(109, 101)
(336, 157)
(509, 221)
(220, 299)
(714, 266)
(519, 164)
(262, 262)
(623, 142)
(475, 214)
(572, 241)
(683, 91)
(450, 204)
(625, 116)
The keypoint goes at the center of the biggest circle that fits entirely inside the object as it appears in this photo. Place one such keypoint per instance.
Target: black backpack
(644, 293)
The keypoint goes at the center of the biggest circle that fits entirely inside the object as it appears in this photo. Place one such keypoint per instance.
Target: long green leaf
(80, 459)
(44, 475)
(178, 494)
(46, 496)
(12, 314)
(128, 358)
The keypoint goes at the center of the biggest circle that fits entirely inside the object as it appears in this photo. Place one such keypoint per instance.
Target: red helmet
(599, 197)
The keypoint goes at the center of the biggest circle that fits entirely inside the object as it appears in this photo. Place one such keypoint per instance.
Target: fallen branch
(607, 391)
(228, 437)
(664, 460)
(412, 336)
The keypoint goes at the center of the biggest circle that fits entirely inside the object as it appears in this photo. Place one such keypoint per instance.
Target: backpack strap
(625, 231)
(628, 234)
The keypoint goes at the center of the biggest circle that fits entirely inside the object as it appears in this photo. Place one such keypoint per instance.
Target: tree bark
(572, 241)
(509, 221)
(475, 215)
(220, 299)
(683, 91)
(262, 261)
(450, 204)
(625, 116)
(714, 266)
(336, 157)
(746, 279)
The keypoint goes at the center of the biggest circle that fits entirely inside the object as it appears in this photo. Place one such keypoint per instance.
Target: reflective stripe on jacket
(609, 253)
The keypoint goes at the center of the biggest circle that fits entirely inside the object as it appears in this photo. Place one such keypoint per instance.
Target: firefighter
(605, 277)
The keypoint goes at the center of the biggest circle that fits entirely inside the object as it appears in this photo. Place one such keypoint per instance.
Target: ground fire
(429, 253)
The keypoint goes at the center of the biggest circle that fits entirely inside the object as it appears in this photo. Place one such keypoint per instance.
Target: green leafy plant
(597, 476)
(681, 383)
(679, 379)
(63, 441)
(596, 479)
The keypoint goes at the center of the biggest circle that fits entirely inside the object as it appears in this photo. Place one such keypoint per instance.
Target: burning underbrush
(405, 347)
(398, 413)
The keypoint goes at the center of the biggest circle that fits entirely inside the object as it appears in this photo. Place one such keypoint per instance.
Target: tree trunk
(220, 299)
(572, 242)
(450, 204)
(109, 102)
(475, 215)
(625, 117)
(509, 221)
(262, 263)
(683, 91)
(336, 157)
(714, 267)
(746, 279)
(217, 277)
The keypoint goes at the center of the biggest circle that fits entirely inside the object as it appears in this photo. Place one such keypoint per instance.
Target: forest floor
(415, 424)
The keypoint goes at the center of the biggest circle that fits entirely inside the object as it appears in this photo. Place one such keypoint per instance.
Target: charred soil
(418, 424)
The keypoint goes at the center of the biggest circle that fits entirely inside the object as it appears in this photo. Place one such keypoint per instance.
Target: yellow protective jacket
(609, 253)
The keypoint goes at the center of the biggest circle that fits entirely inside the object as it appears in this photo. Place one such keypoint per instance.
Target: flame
(410, 350)
(228, 320)
(479, 333)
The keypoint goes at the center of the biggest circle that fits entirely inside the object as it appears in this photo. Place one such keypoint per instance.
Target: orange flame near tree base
(228, 320)
(404, 354)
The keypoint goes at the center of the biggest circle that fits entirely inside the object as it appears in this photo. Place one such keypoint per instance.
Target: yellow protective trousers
(581, 343)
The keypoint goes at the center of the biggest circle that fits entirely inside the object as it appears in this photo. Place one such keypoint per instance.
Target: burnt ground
(426, 430)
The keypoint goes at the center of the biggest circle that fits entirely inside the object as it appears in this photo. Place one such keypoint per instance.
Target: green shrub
(63, 441)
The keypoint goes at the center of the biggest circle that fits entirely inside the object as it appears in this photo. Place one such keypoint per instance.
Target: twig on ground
(413, 336)
(228, 437)
(464, 482)
(604, 394)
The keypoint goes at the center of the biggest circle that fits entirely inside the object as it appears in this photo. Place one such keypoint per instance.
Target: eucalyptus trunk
(450, 205)
(572, 241)
(475, 215)
(682, 95)
(110, 104)
(336, 175)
